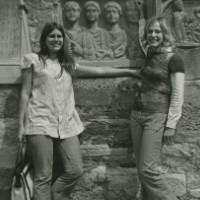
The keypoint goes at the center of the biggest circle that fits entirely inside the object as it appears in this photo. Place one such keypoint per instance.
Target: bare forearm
(22, 108)
(85, 71)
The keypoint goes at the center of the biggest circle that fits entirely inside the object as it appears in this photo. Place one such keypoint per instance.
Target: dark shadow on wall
(9, 97)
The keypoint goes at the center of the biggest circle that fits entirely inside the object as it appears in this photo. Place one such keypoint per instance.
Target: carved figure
(194, 27)
(118, 38)
(152, 8)
(177, 19)
(83, 44)
(131, 11)
(132, 17)
(100, 35)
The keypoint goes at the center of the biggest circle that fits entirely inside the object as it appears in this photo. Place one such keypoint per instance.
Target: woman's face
(54, 41)
(155, 35)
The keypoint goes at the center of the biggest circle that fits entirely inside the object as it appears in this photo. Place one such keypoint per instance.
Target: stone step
(119, 184)
(103, 180)
(110, 156)
(102, 183)
(92, 156)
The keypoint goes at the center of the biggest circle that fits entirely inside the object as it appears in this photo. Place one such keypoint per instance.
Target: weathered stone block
(177, 183)
(195, 192)
(191, 59)
(109, 156)
(114, 92)
(114, 132)
(122, 184)
(9, 96)
(8, 131)
(7, 166)
(178, 156)
(102, 183)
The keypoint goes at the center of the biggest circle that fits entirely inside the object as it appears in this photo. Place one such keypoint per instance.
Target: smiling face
(92, 13)
(54, 41)
(112, 15)
(155, 35)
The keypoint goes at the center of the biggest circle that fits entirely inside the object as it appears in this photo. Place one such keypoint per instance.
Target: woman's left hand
(168, 136)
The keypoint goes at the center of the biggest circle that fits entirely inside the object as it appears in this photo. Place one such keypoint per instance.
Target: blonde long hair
(168, 39)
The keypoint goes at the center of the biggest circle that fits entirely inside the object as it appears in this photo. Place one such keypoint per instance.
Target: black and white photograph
(99, 99)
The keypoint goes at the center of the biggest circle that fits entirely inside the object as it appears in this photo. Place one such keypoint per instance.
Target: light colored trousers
(41, 149)
(147, 133)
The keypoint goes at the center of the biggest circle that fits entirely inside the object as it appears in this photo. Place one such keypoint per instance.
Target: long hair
(168, 39)
(65, 58)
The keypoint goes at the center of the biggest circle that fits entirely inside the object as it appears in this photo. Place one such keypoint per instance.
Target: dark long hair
(65, 58)
(168, 39)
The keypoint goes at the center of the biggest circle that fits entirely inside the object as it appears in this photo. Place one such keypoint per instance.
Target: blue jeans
(41, 150)
(147, 133)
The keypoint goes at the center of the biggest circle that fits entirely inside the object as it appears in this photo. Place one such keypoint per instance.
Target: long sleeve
(176, 99)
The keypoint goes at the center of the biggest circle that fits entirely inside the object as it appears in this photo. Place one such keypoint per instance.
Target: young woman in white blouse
(47, 115)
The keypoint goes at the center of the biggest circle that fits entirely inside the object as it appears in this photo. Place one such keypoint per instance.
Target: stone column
(152, 7)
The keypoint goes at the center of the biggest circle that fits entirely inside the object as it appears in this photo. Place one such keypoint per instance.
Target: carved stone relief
(184, 27)
(131, 15)
(92, 13)
(175, 13)
(82, 41)
(108, 30)
(90, 40)
(193, 26)
(118, 38)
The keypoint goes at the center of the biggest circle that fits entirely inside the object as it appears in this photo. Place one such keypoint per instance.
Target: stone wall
(104, 106)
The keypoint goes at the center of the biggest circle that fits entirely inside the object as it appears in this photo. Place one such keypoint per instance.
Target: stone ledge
(110, 156)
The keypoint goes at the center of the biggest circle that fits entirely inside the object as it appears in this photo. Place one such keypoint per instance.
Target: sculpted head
(72, 11)
(131, 11)
(92, 11)
(113, 11)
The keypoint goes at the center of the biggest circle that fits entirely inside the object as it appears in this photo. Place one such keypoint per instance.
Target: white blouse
(51, 108)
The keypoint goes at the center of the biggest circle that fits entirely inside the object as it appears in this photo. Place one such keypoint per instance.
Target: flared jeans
(147, 134)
